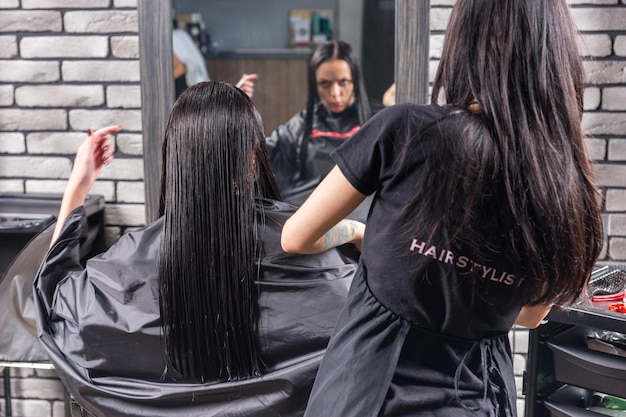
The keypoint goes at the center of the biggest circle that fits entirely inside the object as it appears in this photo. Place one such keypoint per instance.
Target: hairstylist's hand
(246, 83)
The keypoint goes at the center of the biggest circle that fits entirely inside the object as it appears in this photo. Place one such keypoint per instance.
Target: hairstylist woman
(486, 213)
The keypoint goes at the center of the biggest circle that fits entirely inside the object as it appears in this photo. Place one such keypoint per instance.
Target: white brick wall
(66, 66)
(70, 65)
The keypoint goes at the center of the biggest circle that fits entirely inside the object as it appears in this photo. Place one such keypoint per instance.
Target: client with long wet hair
(201, 311)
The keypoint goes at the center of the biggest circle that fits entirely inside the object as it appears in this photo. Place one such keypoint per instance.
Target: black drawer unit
(22, 216)
(564, 376)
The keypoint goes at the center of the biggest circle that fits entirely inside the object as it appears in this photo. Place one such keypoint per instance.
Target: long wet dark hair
(518, 164)
(326, 52)
(214, 166)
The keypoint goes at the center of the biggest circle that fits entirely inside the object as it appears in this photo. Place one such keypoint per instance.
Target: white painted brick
(439, 18)
(6, 95)
(45, 186)
(18, 119)
(596, 45)
(102, 187)
(105, 188)
(30, 21)
(111, 235)
(29, 71)
(124, 96)
(596, 148)
(44, 389)
(592, 98)
(123, 169)
(519, 363)
(432, 70)
(614, 98)
(125, 3)
(436, 46)
(101, 21)
(617, 225)
(55, 142)
(12, 142)
(131, 192)
(111, 70)
(11, 186)
(59, 96)
(8, 46)
(35, 167)
(521, 404)
(130, 120)
(62, 4)
(599, 19)
(45, 373)
(610, 175)
(58, 409)
(130, 144)
(617, 150)
(125, 46)
(604, 252)
(606, 72)
(125, 214)
(617, 248)
(518, 386)
(518, 337)
(63, 46)
(615, 200)
(620, 45)
(28, 408)
(605, 123)
(8, 4)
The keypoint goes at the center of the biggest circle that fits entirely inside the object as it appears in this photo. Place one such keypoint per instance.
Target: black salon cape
(330, 131)
(101, 327)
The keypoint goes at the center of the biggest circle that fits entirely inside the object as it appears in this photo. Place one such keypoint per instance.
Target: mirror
(155, 25)
(248, 36)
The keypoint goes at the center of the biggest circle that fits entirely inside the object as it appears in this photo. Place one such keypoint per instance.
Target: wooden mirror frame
(157, 79)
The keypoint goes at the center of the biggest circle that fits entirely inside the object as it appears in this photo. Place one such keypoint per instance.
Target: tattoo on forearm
(340, 234)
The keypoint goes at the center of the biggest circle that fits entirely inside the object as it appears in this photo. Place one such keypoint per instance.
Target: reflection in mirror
(248, 36)
(249, 20)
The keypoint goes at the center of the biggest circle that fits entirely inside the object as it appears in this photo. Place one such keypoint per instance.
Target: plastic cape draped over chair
(19, 347)
(105, 340)
(18, 326)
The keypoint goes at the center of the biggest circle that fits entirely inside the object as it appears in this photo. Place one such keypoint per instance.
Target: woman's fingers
(103, 144)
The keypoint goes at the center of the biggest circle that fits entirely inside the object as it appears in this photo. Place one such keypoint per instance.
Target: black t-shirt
(427, 285)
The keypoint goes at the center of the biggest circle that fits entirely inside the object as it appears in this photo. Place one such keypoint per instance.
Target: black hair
(215, 165)
(518, 163)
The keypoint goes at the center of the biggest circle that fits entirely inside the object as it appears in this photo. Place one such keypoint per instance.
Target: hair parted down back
(214, 165)
(520, 163)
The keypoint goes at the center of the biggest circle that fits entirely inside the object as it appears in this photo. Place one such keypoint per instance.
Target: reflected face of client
(334, 85)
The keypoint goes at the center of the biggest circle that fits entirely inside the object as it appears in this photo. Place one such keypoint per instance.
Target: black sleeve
(364, 157)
